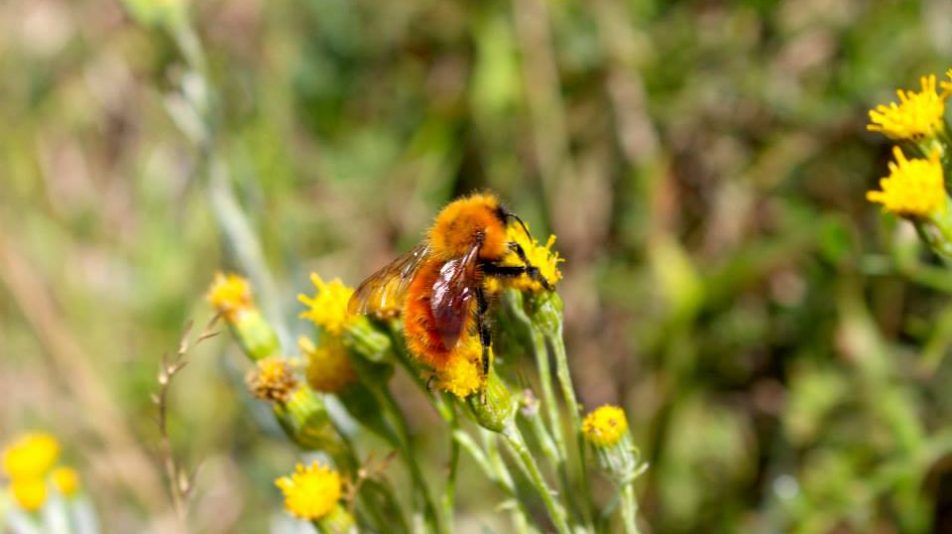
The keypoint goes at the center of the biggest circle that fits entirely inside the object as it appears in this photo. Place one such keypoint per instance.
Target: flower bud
(231, 297)
(606, 429)
(495, 406)
(306, 420)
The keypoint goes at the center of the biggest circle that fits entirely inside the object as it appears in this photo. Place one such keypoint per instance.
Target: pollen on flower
(605, 426)
(310, 492)
(460, 374)
(914, 187)
(230, 294)
(540, 256)
(65, 480)
(918, 115)
(328, 308)
(30, 456)
(29, 493)
(328, 365)
(272, 379)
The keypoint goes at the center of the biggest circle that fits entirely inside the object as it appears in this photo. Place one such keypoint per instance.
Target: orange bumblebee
(439, 285)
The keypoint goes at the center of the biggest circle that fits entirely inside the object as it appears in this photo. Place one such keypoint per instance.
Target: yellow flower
(540, 256)
(461, 374)
(230, 295)
(918, 115)
(310, 492)
(328, 365)
(914, 187)
(605, 426)
(272, 379)
(946, 86)
(29, 493)
(65, 480)
(31, 456)
(328, 308)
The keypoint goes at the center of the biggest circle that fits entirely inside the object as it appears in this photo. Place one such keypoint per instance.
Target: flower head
(230, 295)
(539, 256)
(310, 492)
(460, 373)
(29, 493)
(918, 115)
(914, 187)
(328, 308)
(328, 365)
(65, 480)
(31, 456)
(272, 379)
(605, 426)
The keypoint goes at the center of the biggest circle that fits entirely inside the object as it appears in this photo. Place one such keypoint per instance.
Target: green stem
(449, 494)
(629, 509)
(406, 448)
(556, 343)
(518, 445)
(500, 473)
(545, 379)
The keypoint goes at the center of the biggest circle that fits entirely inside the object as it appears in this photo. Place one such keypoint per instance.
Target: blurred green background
(780, 347)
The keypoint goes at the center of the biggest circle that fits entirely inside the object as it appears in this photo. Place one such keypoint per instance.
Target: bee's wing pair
(451, 293)
(386, 289)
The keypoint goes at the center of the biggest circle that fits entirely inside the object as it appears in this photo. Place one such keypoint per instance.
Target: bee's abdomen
(419, 324)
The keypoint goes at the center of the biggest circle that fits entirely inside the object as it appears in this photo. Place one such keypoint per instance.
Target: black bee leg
(485, 337)
(531, 270)
(512, 271)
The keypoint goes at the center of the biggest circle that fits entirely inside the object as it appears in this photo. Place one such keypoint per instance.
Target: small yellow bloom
(65, 480)
(272, 379)
(918, 115)
(310, 492)
(461, 374)
(31, 456)
(328, 308)
(328, 365)
(29, 493)
(230, 295)
(605, 426)
(540, 256)
(914, 187)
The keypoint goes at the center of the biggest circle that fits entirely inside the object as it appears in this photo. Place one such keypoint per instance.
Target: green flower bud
(306, 420)
(495, 407)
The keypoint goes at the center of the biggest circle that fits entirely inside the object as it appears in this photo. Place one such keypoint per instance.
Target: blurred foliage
(781, 348)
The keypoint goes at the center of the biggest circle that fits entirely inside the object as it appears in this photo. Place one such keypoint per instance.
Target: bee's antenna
(506, 214)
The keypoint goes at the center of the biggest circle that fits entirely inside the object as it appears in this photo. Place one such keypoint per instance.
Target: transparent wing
(453, 290)
(385, 290)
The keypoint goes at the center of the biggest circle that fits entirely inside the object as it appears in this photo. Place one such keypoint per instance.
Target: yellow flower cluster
(328, 365)
(917, 116)
(310, 492)
(328, 308)
(460, 374)
(914, 187)
(540, 256)
(230, 295)
(605, 426)
(27, 461)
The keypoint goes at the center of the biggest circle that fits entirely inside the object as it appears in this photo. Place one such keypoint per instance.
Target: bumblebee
(439, 286)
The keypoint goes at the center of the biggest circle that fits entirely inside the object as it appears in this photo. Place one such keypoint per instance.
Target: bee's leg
(485, 337)
(512, 271)
(531, 270)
